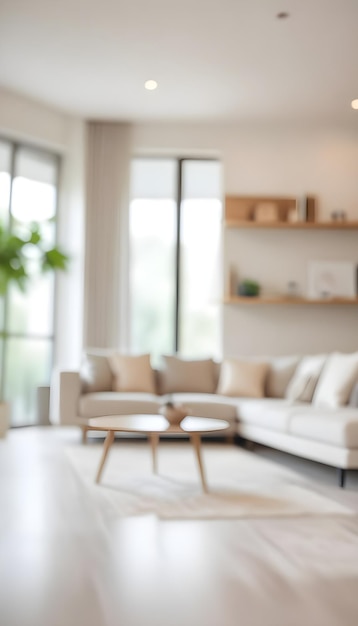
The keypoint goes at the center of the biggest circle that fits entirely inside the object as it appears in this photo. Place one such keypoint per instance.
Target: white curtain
(107, 169)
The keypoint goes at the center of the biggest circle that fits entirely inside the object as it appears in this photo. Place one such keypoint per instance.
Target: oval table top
(156, 424)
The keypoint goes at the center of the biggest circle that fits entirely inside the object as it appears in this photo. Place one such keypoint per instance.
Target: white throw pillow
(337, 380)
(241, 378)
(303, 383)
(132, 373)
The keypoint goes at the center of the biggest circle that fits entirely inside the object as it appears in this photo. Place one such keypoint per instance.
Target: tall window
(175, 256)
(28, 192)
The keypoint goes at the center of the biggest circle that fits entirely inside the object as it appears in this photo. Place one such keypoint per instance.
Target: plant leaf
(55, 260)
(15, 263)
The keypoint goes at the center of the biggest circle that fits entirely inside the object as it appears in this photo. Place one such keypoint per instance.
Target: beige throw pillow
(241, 378)
(132, 373)
(180, 375)
(337, 380)
(95, 372)
(302, 385)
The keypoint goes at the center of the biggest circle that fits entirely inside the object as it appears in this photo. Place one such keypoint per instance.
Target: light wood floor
(62, 565)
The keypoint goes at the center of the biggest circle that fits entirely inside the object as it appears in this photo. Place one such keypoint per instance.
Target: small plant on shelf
(248, 288)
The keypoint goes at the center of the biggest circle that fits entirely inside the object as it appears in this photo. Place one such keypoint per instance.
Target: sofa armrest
(69, 394)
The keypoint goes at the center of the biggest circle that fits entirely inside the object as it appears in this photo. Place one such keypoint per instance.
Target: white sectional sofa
(301, 405)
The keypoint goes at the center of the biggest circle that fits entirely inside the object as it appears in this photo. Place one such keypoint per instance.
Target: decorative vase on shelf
(174, 413)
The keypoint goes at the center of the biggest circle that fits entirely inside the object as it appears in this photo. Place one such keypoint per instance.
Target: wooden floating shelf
(263, 300)
(292, 225)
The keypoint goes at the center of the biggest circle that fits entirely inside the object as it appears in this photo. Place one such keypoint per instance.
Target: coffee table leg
(154, 439)
(84, 434)
(107, 444)
(196, 441)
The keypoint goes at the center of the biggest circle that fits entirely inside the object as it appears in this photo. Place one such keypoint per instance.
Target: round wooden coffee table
(154, 426)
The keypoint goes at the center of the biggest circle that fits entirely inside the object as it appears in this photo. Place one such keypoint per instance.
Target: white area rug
(241, 485)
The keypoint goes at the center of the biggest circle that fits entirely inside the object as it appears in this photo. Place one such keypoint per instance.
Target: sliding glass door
(200, 259)
(175, 257)
(28, 192)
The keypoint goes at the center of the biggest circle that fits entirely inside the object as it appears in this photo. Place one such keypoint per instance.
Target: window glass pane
(201, 179)
(31, 312)
(5, 156)
(5, 180)
(1, 357)
(153, 178)
(200, 288)
(32, 200)
(34, 186)
(152, 274)
(27, 366)
(2, 319)
(36, 165)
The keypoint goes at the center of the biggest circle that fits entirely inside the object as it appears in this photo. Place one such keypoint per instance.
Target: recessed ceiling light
(354, 104)
(150, 84)
(282, 15)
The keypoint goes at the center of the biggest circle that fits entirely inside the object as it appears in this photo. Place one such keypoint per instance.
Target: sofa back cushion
(242, 378)
(95, 371)
(280, 372)
(337, 380)
(303, 383)
(132, 373)
(181, 375)
(353, 398)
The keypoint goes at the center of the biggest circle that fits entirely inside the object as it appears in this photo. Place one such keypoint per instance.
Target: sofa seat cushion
(271, 413)
(117, 403)
(206, 405)
(338, 427)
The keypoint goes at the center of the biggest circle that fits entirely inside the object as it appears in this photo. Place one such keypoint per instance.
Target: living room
(270, 106)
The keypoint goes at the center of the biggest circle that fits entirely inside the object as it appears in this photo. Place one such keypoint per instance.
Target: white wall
(277, 160)
(71, 229)
(27, 120)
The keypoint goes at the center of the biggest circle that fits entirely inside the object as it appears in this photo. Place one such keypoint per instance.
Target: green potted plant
(23, 253)
(249, 288)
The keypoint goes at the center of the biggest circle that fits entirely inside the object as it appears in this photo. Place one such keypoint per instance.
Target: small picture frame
(331, 279)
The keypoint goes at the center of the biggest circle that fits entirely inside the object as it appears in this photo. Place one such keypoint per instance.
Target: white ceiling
(213, 59)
